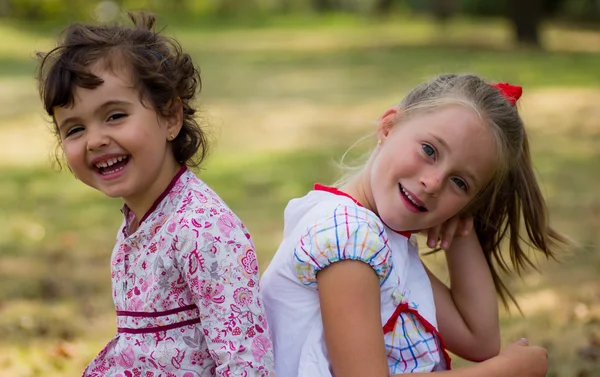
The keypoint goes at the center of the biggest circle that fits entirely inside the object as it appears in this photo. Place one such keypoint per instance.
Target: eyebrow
(467, 173)
(98, 110)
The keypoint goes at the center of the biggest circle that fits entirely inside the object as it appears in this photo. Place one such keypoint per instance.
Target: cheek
(73, 154)
(453, 204)
(405, 164)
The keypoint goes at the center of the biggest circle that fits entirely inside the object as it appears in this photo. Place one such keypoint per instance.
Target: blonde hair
(512, 196)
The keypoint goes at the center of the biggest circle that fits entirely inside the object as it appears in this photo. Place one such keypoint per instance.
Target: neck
(140, 204)
(360, 189)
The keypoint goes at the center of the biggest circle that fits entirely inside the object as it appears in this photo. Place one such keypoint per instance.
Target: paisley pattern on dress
(186, 290)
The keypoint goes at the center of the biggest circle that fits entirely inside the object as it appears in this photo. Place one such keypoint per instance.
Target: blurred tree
(226, 7)
(4, 8)
(285, 6)
(325, 5)
(526, 16)
(580, 10)
(443, 10)
(383, 6)
(179, 5)
(483, 8)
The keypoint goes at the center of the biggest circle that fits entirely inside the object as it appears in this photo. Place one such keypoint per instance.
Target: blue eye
(428, 149)
(460, 183)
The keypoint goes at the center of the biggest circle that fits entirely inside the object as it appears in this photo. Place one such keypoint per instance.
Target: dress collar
(127, 212)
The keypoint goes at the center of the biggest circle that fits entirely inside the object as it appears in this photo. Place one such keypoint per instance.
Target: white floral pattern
(186, 291)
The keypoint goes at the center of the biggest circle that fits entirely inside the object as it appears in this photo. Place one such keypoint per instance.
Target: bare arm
(467, 312)
(350, 306)
(351, 311)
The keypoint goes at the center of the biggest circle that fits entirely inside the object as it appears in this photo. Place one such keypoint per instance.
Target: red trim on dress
(164, 193)
(149, 330)
(125, 313)
(336, 191)
(404, 308)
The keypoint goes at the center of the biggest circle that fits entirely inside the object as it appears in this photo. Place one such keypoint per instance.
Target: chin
(403, 225)
(114, 194)
(393, 222)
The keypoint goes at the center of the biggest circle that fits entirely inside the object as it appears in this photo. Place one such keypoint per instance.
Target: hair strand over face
(510, 212)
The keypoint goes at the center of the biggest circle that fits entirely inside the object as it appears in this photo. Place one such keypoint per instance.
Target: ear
(387, 122)
(175, 120)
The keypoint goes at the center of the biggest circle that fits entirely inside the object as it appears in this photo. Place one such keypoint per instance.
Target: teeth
(109, 162)
(113, 171)
(410, 197)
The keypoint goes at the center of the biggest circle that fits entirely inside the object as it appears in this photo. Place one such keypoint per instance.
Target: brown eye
(116, 116)
(73, 130)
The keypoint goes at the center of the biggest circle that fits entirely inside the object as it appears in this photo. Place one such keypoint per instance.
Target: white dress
(327, 226)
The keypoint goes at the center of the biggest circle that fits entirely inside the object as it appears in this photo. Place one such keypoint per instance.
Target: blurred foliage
(61, 10)
(287, 94)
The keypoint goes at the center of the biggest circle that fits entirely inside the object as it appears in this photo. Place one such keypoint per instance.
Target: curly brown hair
(158, 66)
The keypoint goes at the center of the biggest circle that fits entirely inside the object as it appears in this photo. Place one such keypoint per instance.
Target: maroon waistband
(155, 329)
(125, 313)
(148, 330)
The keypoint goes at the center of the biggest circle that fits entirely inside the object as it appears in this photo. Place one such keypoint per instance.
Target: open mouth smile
(411, 201)
(111, 165)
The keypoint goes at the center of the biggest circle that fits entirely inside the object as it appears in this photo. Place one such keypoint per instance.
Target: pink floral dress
(185, 287)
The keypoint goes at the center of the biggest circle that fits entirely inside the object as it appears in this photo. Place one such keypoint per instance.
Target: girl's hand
(457, 226)
(524, 360)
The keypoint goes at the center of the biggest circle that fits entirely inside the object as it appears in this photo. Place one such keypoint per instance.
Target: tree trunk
(285, 6)
(323, 5)
(443, 10)
(526, 16)
(384, 6)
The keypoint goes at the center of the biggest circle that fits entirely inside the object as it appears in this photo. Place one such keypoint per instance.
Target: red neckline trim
(336, 191)
(164, 193)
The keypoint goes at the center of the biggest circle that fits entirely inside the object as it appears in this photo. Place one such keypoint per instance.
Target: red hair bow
(511, 92)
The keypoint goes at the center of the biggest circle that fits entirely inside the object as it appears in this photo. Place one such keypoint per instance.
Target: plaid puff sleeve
(347, 233)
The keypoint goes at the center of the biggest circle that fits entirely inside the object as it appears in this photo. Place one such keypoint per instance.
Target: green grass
(284, 102)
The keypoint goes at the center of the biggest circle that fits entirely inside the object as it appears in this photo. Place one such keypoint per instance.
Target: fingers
(455, 226)
(433, 236)
(449, 232)
(466, 226)
(523, 342)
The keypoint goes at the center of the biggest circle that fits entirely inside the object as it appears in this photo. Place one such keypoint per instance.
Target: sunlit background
(289, 85)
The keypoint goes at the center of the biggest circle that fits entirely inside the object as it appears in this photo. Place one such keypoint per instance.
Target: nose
(432, 182)
(97, 139)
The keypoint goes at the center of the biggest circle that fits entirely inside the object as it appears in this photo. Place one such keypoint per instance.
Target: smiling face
(428, 167)
(115, 144)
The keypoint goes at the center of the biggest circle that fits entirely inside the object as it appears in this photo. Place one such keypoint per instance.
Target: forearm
(467, 313)
(472, 290)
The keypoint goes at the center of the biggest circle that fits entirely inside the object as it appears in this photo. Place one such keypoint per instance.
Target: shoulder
(202, 215)
(342, 232)
(349, 216)
(342, 220)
